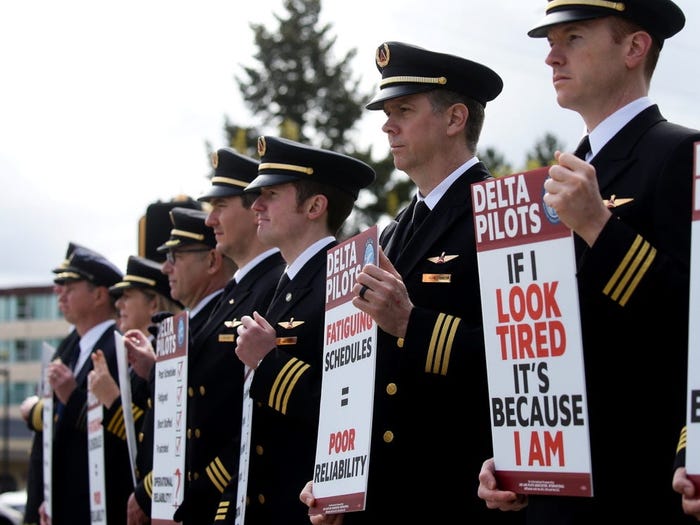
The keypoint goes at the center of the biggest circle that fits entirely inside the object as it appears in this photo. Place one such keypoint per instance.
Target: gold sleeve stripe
(117, 426)
(38, 416)
(448, 348)
(625, 261)
(292, 384)
(648, 260)
(630, 271)
(218, 474)
(682, 440)
(222, 510)
(136, 411)
(438, 359)
(284, 384)
(627, 275)
(148, 484)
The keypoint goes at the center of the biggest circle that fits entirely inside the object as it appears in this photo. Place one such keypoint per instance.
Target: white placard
(532, 333)
(244, 459)
(46, 393)
(347, 397)
(125, 393)
(692, 449)
(96, 460)
(170, 418)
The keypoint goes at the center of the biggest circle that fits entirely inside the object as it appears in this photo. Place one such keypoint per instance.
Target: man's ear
(316, 205)
(639, 46)
(458, 114)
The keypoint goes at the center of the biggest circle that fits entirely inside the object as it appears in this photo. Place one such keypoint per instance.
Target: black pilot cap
(232, 173)
(144, 274)
(188, 228)
(408, 69)
(660, 18)
(87, 265)
(283, 160)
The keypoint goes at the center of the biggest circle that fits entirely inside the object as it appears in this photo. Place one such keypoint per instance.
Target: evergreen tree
(297, 89)
(495, 162)
(543, 152)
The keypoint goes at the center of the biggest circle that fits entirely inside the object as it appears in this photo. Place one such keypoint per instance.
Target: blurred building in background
(29, 316)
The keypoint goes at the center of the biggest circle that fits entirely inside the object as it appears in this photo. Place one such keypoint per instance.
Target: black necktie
(284, 281)
(420, 212)
(223, 299)
(583, 148)
(73, 357)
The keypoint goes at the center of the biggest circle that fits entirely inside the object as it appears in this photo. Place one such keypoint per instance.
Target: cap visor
(559, 17)
(263, 181)
(216, 192)
(391, 92)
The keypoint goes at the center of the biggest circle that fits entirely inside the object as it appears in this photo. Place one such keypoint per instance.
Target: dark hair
(621, 27)
(247, 199)
(340, 203)
(441, 99)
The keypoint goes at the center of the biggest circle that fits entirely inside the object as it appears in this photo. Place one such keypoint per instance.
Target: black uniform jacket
(143, 492)
(215, 394)
(70, 497)
(431, 411)
(633, 291)
(35, 473)
(286, 390)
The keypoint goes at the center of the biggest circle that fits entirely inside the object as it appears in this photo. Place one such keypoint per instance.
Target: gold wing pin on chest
(439, 277)
(233, 323)
(289, 325)
(614, 201)
(230, 338)
(442, 258)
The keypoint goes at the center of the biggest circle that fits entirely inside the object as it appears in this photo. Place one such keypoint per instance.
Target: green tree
(495, 162)
(297, 85)
(299, 89)
(543, 152)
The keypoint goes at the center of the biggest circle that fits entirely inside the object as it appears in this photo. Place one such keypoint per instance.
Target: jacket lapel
(616, 157)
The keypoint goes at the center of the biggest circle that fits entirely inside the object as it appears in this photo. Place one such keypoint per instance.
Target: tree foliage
(297, 89)
(298, 84)
(495, 162)
(543, 152)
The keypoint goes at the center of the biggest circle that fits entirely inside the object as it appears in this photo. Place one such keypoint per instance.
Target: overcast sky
(106, 107)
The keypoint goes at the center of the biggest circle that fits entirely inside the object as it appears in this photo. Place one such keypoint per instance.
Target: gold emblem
(442, 258)
(227, 338)
(233, 323)
(290, 324)
(215, 160)
(383, 55)
(262, 146)
(614, 202)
